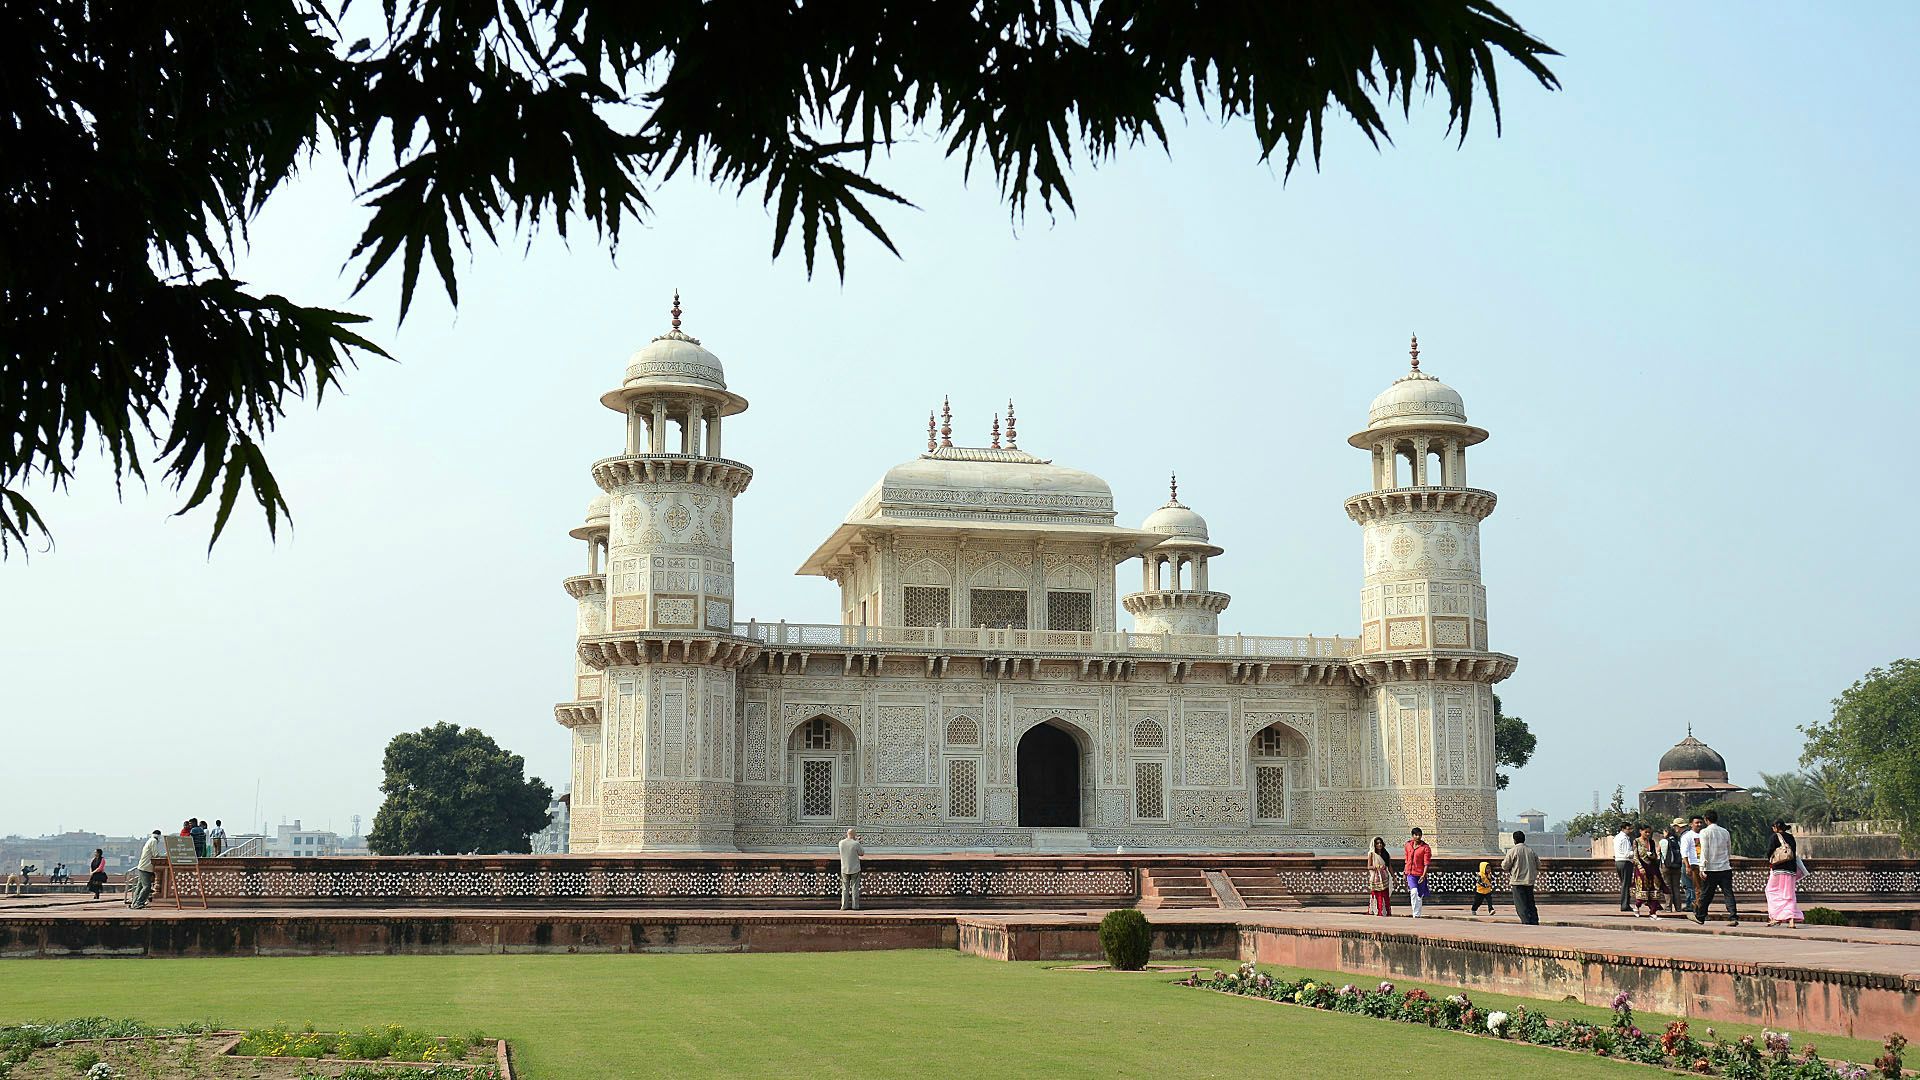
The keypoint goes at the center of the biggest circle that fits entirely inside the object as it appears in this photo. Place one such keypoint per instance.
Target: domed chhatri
(1174, 597)
(1176, 518)
(675, 362)
(598, 520)
(676, 356)
(1417, 401)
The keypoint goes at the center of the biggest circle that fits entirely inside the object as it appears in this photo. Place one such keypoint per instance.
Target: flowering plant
(1742, 1059)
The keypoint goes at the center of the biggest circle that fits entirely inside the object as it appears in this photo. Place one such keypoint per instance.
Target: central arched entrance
(1048, 777)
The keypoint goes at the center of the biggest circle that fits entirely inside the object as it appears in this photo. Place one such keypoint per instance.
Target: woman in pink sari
(1783, 878)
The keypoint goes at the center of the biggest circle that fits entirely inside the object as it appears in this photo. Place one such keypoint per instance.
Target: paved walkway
(1595, 929)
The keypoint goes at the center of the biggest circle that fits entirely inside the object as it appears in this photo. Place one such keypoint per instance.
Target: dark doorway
(1049, 779)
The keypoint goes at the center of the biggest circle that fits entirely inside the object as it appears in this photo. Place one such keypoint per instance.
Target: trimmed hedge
(1126, 939)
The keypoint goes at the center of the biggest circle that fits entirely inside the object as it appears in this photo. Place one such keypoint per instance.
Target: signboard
(182, 859)
(180, 851)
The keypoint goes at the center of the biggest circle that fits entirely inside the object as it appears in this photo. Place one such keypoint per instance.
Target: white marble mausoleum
(978, 691)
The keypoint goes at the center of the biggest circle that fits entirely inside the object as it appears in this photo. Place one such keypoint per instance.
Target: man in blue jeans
(1690, 859)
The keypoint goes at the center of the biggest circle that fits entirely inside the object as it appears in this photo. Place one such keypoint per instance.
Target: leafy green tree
(453, 791)
(1749, 821)
(143, 138)
(1512, 743)
(1603, 823)
(1873, 740)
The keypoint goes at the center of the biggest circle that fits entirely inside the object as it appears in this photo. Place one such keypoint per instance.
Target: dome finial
(1173, 489)
(931, 444)
(1414, 349)
(946, 421)
(676, 313)
(1013, 441)
(996, 431)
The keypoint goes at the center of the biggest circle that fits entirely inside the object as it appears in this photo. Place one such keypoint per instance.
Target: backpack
(1671, 856)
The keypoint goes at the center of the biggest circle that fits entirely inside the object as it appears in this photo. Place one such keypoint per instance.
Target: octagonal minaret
(666, 653)
(1424, 655)
(1173, 596)
(580, 714)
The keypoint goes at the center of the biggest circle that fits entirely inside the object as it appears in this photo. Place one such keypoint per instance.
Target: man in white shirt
(1690, 859)
(217, 836)
(142, 890)
(1623, 862)
(850, 852)
(1716, 868)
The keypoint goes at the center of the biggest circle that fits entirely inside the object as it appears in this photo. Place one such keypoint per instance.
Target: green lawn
(922, 1014)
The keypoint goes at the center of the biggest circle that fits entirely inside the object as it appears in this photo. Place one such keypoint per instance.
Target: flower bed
(102, 1049)
(1770, 1057)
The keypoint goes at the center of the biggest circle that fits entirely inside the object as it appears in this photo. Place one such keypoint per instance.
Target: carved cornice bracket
(1393, 502)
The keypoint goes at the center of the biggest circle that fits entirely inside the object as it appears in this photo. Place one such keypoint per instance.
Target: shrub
(1825, 916)
(1126, 939)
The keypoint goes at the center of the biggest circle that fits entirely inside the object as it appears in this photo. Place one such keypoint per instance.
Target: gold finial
(996, 431)
(930, 441)
(946, 421)
(1415, 350)
(676, 310)
(1013, 441)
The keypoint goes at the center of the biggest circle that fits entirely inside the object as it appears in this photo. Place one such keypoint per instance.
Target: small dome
(598, 510)
(674, 357)
(1416, 398)
(1690, 755)
(1176, 520)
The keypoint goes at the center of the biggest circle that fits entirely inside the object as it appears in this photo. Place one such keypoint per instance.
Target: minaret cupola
(1174, 597)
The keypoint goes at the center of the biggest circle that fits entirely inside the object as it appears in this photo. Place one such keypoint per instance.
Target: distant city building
(1548, 844)
(1691, 775)
(552, 840)
(294, 841)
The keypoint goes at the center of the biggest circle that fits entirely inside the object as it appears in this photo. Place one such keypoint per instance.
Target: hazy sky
(1680, 294)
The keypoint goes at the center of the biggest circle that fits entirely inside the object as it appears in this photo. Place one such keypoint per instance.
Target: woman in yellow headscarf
(1483, 889)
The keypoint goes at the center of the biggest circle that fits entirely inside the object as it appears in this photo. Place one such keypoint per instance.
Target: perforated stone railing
(988, 639)
(952, 881)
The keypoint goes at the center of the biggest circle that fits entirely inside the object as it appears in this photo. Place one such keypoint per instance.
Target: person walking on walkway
(198, 830)
(1670, 865)
(142, 890)
(1690, 858)
(1783, 878)
(97, 873)
(850, 852)
(1647, 883)
(1482, 889)
(1379, 878)
(1623, 864)
(1418, 856)
(217, 836)
(1521, 866)
(1716, 868)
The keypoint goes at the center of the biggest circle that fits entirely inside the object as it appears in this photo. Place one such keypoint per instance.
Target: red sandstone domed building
(1691, 774)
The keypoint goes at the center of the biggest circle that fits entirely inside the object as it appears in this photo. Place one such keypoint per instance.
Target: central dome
(998, 482)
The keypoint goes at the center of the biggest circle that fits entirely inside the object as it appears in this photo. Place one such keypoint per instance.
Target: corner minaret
(1173, 596)
(1424, 655)
(581, 713)
(666, 652)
